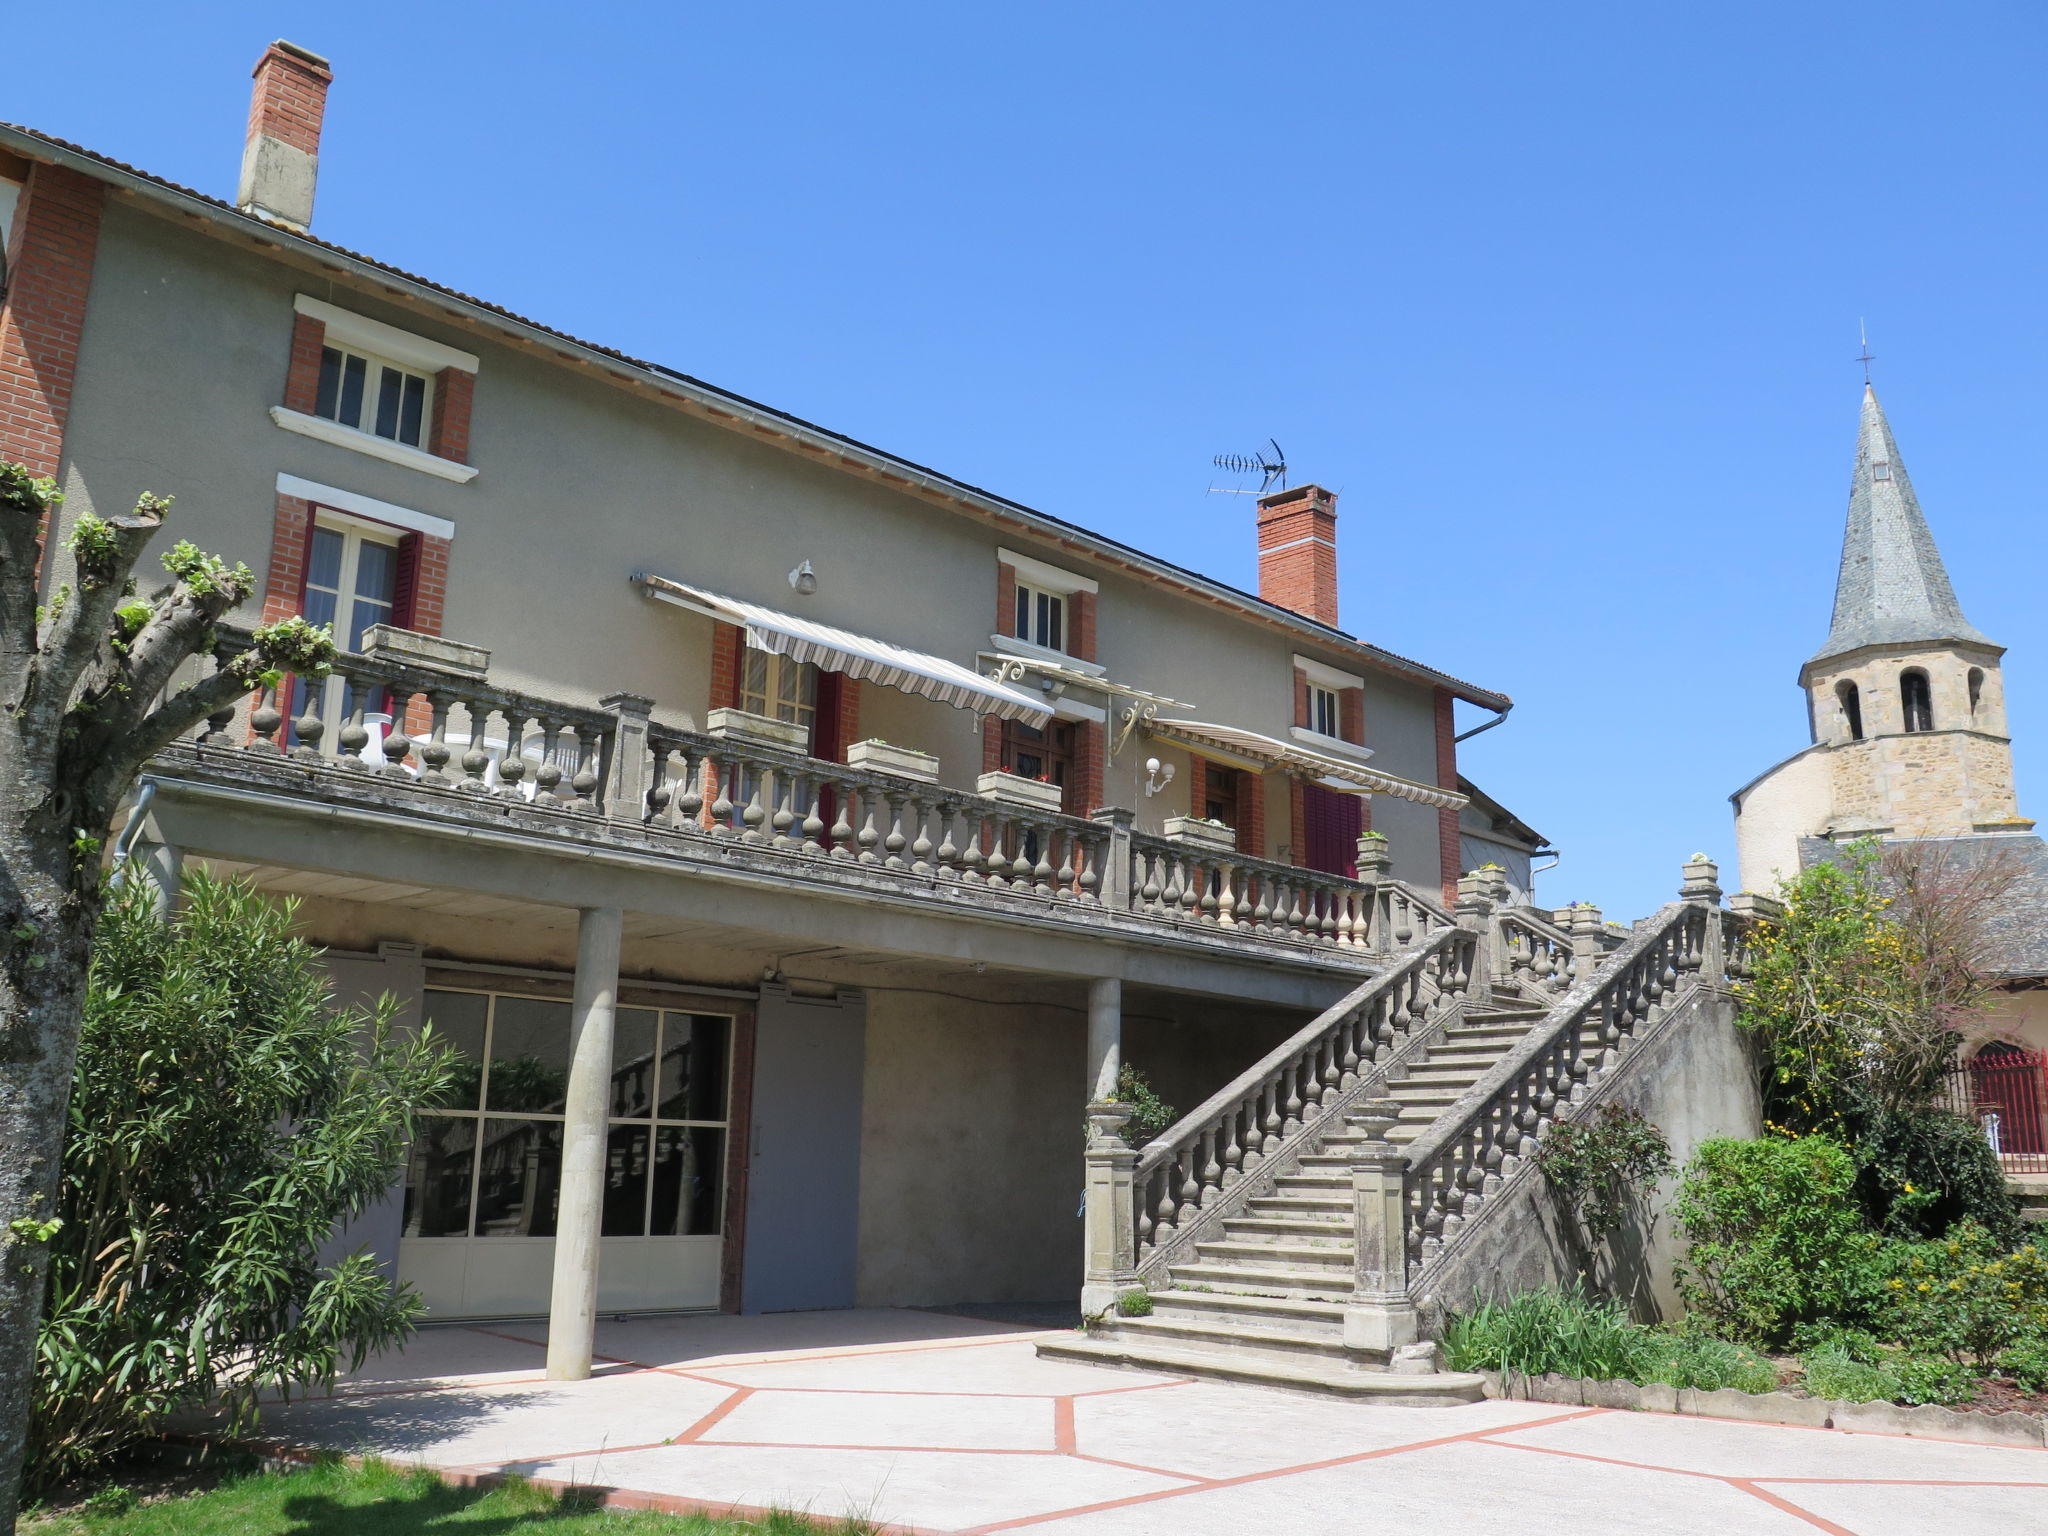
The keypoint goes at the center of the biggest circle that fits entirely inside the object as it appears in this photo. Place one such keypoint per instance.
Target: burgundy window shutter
(1331, 823)
(406, 589)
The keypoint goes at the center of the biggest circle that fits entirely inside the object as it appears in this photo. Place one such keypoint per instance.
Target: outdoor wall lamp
(804, 579)
(1157, 775)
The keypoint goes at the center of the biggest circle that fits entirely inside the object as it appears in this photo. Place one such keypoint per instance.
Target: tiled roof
(1893, 588)
(2021, 926)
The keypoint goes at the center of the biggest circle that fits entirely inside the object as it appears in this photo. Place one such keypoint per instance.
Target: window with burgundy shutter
(1331, 824)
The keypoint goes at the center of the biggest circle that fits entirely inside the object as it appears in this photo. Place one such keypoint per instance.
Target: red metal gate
(2005, 1090)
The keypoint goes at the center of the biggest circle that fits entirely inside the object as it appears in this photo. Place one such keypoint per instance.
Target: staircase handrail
(1240, 1128)
(1504, 1114)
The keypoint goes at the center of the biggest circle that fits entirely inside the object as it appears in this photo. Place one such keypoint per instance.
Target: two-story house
(790, 837)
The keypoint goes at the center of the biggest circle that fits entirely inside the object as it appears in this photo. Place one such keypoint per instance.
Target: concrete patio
(934, 1423)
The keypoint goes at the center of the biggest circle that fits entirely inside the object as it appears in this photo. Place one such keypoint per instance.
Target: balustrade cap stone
(388, 642)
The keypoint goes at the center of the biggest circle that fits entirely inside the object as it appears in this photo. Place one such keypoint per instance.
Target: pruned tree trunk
(86, 697)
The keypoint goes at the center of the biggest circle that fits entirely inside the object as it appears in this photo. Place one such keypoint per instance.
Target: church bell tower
(1905, 699)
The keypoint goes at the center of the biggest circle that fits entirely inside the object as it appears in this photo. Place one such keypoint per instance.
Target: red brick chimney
(281, 159)
(1298, 551)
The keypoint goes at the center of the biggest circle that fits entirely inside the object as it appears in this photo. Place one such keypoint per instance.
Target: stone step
(1315, 1181)
(1442, 1389)
(1276, 1253)
(1267, 1280)
(1179, 1332)
(1335, 1226)
(1283, 1312)
(1327, 1203)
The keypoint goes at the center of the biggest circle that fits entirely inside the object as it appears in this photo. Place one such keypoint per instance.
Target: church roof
(1893, 587)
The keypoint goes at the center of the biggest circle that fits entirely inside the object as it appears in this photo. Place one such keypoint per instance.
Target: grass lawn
(332, 1499)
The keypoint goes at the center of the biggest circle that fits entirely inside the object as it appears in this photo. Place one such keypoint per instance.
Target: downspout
(131, 834)
(1496, 720)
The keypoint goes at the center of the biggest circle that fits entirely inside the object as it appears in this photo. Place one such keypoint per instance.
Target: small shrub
(1963, 1299)
(1566, 1332)
(1775, 1238)
(1923, 1380)
(1134, 1304)
(1600, 1166)
(1921, 1171)
(114, 1499)
(1838, 1376)
(2027, 1362)
(1704, 1363)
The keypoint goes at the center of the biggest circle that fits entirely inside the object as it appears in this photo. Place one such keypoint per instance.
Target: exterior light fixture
(1157, 775)
(804, 579)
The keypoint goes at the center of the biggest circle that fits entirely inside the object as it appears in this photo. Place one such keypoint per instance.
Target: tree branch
(105, 552)
(25, 504)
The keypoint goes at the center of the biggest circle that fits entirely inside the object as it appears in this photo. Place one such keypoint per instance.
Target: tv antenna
(1269, 464)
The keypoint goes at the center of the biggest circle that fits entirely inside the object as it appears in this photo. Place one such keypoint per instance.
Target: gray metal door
(803, 1177)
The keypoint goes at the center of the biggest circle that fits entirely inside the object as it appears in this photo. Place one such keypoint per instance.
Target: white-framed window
(779, 688)
(372, 394)
(351, 584)
(1325, 715)
(1042, 617)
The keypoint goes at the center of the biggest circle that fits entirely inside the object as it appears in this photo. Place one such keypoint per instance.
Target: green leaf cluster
(1571, 1333)
(226, 1116)
(1602, 1165)
(1150, 1114)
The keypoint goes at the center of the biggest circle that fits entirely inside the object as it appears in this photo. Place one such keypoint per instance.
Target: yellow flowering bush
(1964, 1299)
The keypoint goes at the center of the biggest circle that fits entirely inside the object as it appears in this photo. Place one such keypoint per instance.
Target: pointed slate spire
(1893, 587)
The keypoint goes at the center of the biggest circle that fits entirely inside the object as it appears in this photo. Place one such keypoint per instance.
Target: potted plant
(1014, 789)
(1200, 832)
(877, 756)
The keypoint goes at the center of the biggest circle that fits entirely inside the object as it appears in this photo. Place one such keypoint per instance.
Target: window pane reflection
(529, 1055)
(437, 1173)
(520, 1177)
(625, 1181)
(693, 1050)
(688, 1175)
(458, 1020)
(633, 1063)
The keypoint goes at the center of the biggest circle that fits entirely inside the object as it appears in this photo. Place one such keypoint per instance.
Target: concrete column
(1380, 1317)
(1111, 1233)
(572, 1310)
(1105, 1037)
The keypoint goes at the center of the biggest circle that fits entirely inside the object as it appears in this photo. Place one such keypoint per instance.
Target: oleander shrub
(225, 1116)
(1775, 1239)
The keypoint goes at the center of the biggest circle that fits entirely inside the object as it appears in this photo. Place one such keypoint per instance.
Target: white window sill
(368, 442)
(1031, 651)
(1336, 744)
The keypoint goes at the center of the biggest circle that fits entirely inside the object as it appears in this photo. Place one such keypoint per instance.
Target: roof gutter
(1500, 714)
(710, 400)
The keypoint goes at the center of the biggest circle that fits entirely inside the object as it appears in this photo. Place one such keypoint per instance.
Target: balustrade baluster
(1206, 875)
(811, 789)
(584, 785)
(355, 735)
(921, 844)
(264, 721)
(840, 844)
(722, 766)
(870, 836)
(1090, 877)
(757, 782)
(660, 793)
(397, 744)
(1152, 890)
(948, 855)
(788, 786)
(434, 752)
(310, 726)
(973, 862)
(512, 763)
(476, 757)
(1063, 877)
(547, 773)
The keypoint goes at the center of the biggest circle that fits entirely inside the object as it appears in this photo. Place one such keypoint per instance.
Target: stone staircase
(1263, 1301)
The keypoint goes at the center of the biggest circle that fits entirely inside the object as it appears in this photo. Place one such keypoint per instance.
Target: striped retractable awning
(840, 650)
(1248, 749)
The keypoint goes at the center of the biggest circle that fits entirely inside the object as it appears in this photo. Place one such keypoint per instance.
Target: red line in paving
(1788, 1507)
(1063, 1425)
(710, 1420)
(1656, 1466)
(1205, 1484)
(1907, 1482)
(1143, 1386)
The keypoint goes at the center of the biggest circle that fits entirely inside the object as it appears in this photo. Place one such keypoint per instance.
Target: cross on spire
(1866, 359)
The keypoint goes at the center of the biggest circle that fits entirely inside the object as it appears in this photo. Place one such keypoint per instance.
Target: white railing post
(1380, 1317)
(1109, 1211)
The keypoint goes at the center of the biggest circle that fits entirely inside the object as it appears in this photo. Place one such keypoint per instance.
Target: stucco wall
(582, 482)
(1790, 802)
(970, 1175)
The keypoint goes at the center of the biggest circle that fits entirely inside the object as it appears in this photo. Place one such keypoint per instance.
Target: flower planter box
(901, 762)
(1029, 794)
(749, 730)
(387, 642)
(1205, 835)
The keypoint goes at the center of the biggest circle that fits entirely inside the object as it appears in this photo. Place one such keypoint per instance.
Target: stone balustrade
(1187, 1180)
(1493, 1132)
(412, 719)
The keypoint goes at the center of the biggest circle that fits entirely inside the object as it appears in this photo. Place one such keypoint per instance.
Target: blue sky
(1561, 299)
